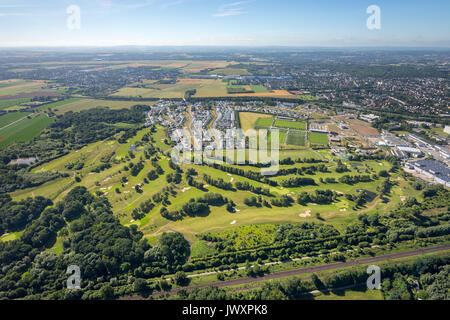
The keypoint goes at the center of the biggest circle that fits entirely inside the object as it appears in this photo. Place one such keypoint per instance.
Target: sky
(327, 23)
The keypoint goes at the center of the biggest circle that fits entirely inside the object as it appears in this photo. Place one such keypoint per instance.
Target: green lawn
(282, 138)
(297, 138)
(263, 123)
(299, 125)
(318, 138)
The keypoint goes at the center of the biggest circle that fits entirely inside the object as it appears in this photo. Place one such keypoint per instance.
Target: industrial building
(433, 169)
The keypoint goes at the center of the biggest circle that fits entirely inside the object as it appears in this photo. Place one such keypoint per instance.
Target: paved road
(315, 269)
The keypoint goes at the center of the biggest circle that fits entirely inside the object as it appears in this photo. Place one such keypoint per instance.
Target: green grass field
(57, 105)
(297, 138)
(351, 294)
(14, 102)
(21, 87)
(263, 123)
(299, 125)
(231, 72)
(8, 118)
(248, 119)
(12, 84)
(318, 138)
(259, 89)
(282, 138)
(23, 130)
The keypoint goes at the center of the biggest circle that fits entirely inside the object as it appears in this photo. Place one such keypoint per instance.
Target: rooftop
(436, 168)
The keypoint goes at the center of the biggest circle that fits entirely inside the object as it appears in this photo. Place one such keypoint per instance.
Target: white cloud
(232, 9)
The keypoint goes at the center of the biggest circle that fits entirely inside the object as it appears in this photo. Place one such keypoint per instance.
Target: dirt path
(372, 206)
(157, 231)
(184, 234)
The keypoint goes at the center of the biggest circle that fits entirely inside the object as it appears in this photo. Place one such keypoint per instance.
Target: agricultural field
(12, 83)
(77, 105)
(11, 117)
(307, 97)
(248, 120)
(23, 130)
(4, 104)
(16, 87)
(280, 94)
(259, 89)
(318, 138)
(204, 88)
(229, 71)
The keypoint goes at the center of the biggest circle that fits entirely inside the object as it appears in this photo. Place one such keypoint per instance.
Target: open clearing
(297, 138)
(263, 123)
(248, 119)
(298, 125)
(318, 138)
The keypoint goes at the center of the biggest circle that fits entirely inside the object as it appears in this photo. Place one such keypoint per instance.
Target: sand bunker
(306, 214)
(233, 222)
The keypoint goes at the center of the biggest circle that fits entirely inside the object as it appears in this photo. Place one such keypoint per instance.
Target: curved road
(318, 268)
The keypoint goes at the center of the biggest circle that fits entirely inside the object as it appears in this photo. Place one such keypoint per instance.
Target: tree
(140, 286)
(317, 282)
(383, 174)
(107, 292)
(181, 279)
(175, 248)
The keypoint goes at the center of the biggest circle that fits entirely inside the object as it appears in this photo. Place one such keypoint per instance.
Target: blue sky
(225, 22)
